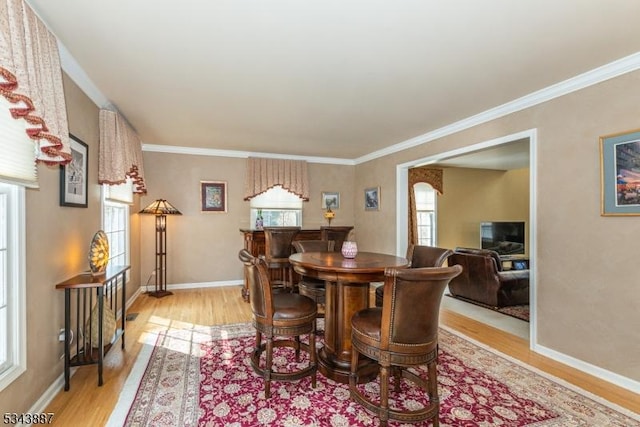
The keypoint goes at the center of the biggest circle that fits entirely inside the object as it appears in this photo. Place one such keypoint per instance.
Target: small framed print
(330, 200)
(620, 177)
(73, 176)
(372, 199)
(213, 196)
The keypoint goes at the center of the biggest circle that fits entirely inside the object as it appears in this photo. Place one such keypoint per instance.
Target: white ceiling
(326, 78)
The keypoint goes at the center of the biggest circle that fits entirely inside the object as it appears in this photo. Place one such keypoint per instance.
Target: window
(426, 213)
(277, 207)
(12, 284)
(115, 221)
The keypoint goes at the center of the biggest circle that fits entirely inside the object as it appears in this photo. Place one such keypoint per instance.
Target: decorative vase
(349, 249)
(259, 220)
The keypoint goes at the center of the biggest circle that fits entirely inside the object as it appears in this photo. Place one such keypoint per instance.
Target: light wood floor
(87, 404)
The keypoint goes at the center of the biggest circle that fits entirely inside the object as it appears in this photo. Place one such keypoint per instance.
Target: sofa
(483, 280)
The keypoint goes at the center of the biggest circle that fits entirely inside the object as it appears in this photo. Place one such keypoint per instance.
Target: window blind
(119, 193)
(17, 150)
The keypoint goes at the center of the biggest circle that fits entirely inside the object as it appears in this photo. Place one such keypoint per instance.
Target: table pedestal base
(339, 371)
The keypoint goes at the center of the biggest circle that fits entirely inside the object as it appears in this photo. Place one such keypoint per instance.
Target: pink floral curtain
(120, 152)
(416, 175)
(31, 80)
(262, 174)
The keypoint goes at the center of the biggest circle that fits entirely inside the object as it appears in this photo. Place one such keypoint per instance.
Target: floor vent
(131, 316)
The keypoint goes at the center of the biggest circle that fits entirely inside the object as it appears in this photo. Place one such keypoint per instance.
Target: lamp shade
(160, 207)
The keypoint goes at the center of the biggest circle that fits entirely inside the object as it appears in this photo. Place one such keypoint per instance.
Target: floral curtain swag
(31, 80)
(120, 152)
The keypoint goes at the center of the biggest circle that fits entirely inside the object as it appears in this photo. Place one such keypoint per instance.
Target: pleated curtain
(120, 152)
(264, 173)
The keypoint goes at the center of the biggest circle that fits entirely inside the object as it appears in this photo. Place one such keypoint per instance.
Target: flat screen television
(504, 237)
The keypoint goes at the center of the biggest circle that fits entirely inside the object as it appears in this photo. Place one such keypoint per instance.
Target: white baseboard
(596, 371)
(627, 383)
(58, 384)
(179, 286)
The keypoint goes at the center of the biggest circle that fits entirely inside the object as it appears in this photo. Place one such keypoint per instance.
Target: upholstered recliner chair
(483, 281)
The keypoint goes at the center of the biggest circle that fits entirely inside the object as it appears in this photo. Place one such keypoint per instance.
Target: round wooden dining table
(347, 291)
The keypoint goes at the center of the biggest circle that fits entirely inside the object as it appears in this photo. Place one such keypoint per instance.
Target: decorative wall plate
(99, 253)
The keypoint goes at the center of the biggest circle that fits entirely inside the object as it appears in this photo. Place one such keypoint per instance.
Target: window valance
(120, 152)
(263, 173)
(31, 80)
(430, 176)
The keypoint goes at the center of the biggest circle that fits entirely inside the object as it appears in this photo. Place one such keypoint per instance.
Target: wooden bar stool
(402, 334)
(278, 248)
(309, 286)
(279, 315)
(420, 256)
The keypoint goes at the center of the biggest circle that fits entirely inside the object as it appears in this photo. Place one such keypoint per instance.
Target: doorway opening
(508, 152)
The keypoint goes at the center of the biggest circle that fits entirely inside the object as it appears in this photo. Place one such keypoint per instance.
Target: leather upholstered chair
(420, 256)
(401, 334)
(309, 286)
(283, 315)
(483, 280)
(336, 233)
(277, 242)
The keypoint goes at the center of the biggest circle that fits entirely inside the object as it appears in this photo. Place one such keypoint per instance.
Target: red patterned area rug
(202, 377)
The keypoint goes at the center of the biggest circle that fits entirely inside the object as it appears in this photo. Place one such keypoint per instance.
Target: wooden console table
(84, 286)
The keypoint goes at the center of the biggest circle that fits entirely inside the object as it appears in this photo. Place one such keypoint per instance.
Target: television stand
(514, 262)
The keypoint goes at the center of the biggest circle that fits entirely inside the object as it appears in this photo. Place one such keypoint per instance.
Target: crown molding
(592, 77)
(608, 71)
(173, 149)
(78, 75)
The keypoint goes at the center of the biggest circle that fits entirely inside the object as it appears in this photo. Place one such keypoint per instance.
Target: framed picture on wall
(372, 199)
(213, 196)
(330, 200)
(620, 181)
(73, 176)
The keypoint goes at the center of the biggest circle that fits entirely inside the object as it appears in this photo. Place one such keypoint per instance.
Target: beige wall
(203, 246)
(587, 280)
(475, 195)
(57, 245)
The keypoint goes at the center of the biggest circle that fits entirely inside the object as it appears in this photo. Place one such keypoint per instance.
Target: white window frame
(277, 202)
(114, 203)
(434, 216)
(15, 282)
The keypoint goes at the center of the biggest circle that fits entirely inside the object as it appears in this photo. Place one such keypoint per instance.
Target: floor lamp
(161, 208)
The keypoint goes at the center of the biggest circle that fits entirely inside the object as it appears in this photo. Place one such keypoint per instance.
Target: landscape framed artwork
(620, 173)
(330, 200)
(372, 199)
(213, 196)
(73, 175)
